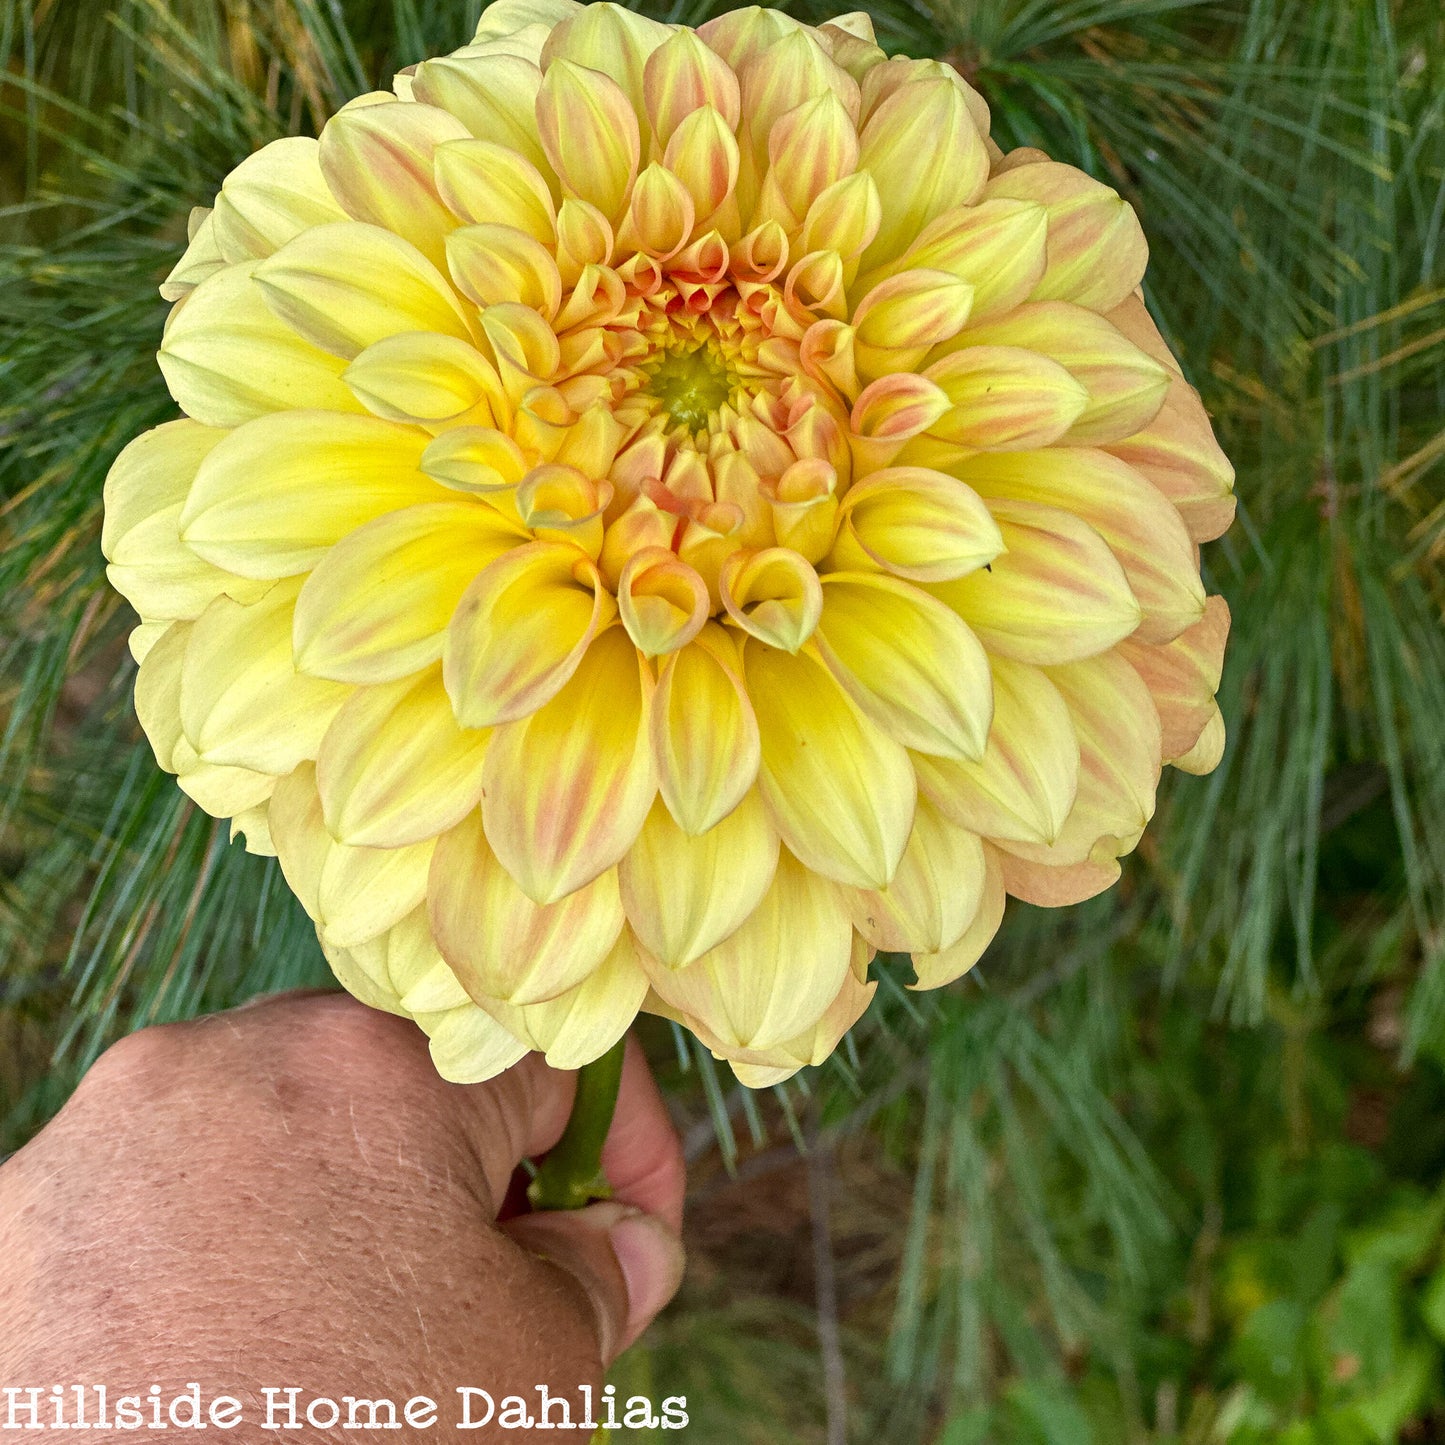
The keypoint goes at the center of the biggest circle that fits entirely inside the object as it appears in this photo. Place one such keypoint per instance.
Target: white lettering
(226, 1406)
(466, 1422)
(373, 1409)
(191, 1397)
(292, 1420)
(544, 1411)
(323, 1402)
(32, 1405)
(421, 1411)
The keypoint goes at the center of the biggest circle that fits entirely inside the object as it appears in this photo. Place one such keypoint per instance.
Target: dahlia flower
(663, 514)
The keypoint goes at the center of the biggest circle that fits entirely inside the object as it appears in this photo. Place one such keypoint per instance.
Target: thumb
(628, 1264)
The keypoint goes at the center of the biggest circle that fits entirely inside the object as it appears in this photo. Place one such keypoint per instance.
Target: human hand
(288, 1195)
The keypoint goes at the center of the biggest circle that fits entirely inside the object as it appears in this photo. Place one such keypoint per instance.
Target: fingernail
(652, 1265)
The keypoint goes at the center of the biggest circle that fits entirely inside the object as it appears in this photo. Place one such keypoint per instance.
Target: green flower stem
(571, 1177)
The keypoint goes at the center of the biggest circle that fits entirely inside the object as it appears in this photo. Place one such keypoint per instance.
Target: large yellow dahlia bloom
(659, 516)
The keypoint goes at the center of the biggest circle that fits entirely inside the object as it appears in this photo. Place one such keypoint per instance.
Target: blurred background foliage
(1166, 1167)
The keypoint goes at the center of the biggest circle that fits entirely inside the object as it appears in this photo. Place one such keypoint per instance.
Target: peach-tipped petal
(839, 790)
(704, 733)
(777, 974)
(557, 824)
(684, 894)
(394, 767)
(499, 943)
(908, 661)
(521, 630)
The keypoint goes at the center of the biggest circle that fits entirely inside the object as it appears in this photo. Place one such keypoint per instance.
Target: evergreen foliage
(1168, 1166)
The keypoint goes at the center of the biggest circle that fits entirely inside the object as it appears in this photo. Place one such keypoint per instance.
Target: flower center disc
(691, 385)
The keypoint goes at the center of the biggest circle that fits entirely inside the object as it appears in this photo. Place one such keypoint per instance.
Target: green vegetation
(1167, 1166)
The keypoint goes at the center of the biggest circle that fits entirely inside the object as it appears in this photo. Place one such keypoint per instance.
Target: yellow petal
(243, 704)
(272, 196)
(493, 264)
(703, 731)
(1120, 744)
(1055, 594)
(764, 1068)
(567, 788)
(662, 601)
(934, 970)
(582, 1024)
(997, 246)
(394, 767)
(609, 40)
(1177, 450)
(202, 257)
(793, 71)
(1126, 387)
(275, 494)
(347, 285)
(935, 894)
(888, 75)
(839, 790)
(1208, 749)
(474, 459)
(469, 1046)
(1142, 530)
(777, 974)
(520, 631)
(660, 214)
(480, 180)
(509, 18)
(888, 412)
(804, 504)
(1182, 677)
(810, 148)
(589, 132)
(226, 358)
(378, 604)
(500, 944)
(253, 827)
(354, 894)
(158, 692)
(141, 639)
(494, 96)
(736, 35)
(844, 218)
(909, 662)
(1005, 399)
(144, 492)
(1026, 782)
(680, 77)
(926, 155)
(379, 162)
(524, 345)
(362, 972)
(772, 595)
(901, 318)
(703, 155)
(1096, 248)
(919, 524)
(221, 791)
(420, 376)
(684, 895)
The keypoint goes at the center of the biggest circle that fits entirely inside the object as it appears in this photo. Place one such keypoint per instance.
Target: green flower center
(691, 385)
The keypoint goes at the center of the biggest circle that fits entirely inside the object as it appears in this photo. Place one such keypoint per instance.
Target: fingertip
(652, 1262)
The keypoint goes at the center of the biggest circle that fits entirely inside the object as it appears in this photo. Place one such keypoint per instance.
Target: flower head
(659, 516)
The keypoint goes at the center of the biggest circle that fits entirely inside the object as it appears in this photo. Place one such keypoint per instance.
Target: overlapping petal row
(661, 515)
